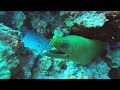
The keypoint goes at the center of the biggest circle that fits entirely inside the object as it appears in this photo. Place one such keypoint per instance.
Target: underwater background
(59, 44)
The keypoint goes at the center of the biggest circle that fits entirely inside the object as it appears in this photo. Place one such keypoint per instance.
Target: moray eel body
(79, 49)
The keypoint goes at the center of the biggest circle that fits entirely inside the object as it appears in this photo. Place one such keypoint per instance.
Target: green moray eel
(76, 48)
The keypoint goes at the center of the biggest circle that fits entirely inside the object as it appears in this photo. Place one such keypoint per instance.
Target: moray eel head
(59, 44)
(76, 48)
(60, 49)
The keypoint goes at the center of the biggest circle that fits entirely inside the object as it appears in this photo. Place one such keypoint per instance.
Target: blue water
(35, 41)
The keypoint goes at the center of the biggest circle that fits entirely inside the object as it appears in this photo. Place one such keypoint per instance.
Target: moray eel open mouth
(56, 53)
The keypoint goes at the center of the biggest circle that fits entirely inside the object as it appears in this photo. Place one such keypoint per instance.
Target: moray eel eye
(64, 45)
(52, 42)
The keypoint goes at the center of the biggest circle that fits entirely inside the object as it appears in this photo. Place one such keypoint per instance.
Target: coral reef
(9, 44)
(28, 61)
(91, 19)
(4, 70)
(18, 19)
(14, 57)
(13, 19)
(43, 22)
(25, 36)
(51, 69)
